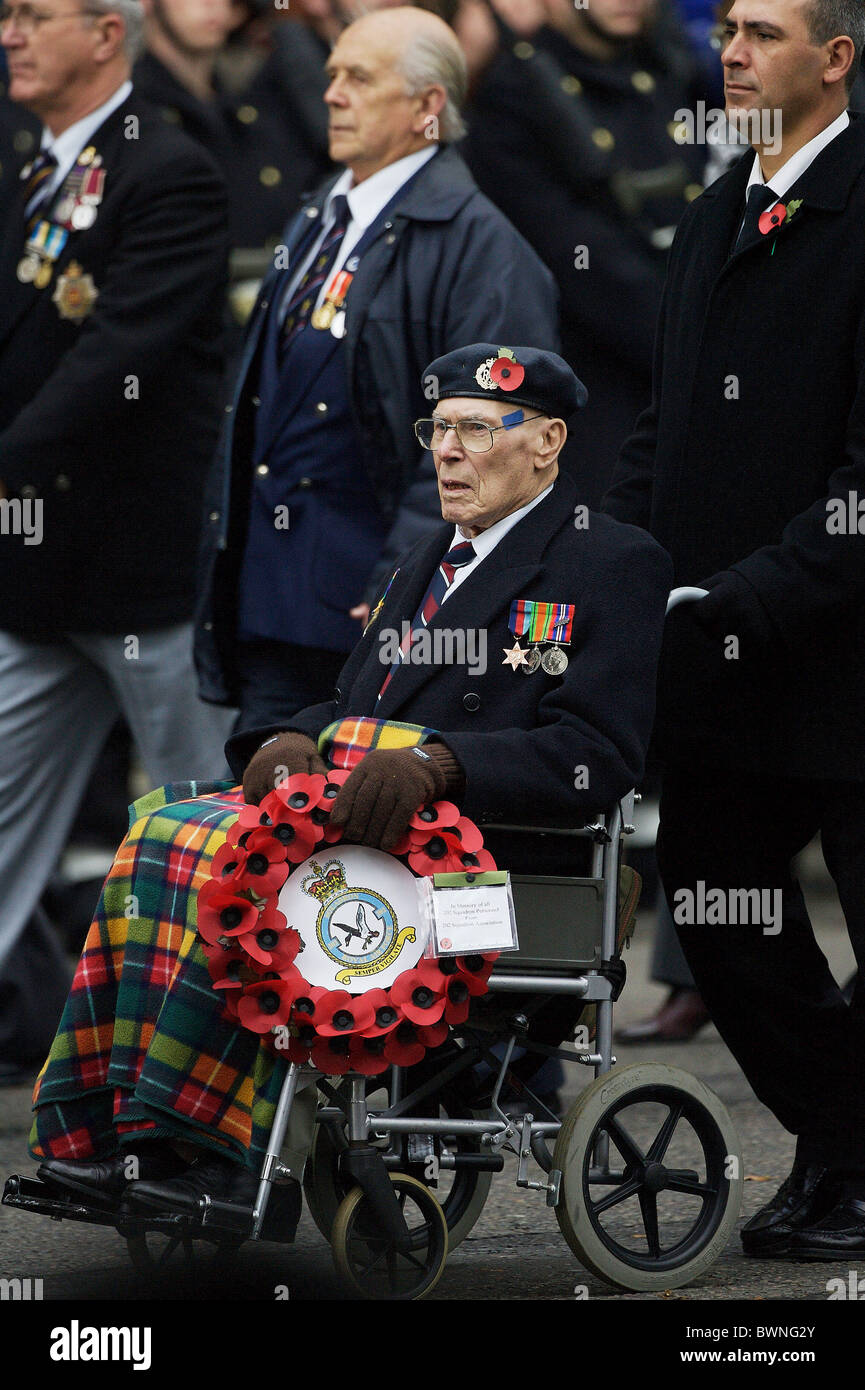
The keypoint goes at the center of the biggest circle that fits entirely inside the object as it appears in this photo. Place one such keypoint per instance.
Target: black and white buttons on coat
(471, 702)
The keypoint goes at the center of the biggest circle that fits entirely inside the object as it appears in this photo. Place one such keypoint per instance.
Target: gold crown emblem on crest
(326, 882)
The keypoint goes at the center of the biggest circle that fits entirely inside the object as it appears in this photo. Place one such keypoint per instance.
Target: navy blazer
(523, 740)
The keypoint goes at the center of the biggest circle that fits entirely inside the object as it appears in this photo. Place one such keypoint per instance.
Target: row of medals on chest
(76, 211)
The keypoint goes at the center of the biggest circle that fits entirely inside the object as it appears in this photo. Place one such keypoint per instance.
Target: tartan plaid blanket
(142, 1049)
(344, 742)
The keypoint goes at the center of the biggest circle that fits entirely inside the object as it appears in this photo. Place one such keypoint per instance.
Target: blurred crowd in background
(571, 132)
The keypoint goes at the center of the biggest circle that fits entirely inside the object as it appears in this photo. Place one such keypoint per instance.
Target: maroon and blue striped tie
(35, 193)
(302, 301)
(459, 555)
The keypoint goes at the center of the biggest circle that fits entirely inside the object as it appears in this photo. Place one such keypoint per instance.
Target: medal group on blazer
(75, 210)
(540, 623)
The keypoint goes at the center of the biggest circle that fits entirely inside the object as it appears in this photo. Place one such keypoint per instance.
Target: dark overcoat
(534, 748)
(755, 434)
(444, 269)
(109, 421)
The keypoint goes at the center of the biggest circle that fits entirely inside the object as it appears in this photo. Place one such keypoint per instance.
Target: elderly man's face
(478, 489)
(770, 62)
(373, 120)
(49, 50)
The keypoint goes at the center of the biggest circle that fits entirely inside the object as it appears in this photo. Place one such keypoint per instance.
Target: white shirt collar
(67, 146)
(795, 167)
(489, 539)
(367, 199)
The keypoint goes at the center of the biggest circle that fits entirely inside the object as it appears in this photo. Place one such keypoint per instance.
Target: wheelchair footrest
(30, 1194)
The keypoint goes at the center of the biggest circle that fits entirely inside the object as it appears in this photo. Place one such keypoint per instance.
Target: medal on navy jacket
(77, 204)
(541, 622)
(331, 312)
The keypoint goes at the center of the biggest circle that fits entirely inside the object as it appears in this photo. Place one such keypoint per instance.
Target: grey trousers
(669, 966)
(58, 701)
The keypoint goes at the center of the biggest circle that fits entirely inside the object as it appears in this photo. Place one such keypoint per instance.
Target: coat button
(390, 238)
(228, 409)
(62, 483)
(310, 212)
(214, 516)
(28, 490)
(269, 176)
(471, 702)
(305, 483)
(321, 407)
(247, 114)
(262, 470)
(264, 303)
(208, 627)
(256, 400)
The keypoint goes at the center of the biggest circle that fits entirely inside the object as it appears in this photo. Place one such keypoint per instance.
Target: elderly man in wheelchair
(155, 1097)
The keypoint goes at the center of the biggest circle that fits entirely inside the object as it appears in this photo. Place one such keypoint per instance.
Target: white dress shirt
(365, 202)
(67, 146)
(795, 167)
(488, 540)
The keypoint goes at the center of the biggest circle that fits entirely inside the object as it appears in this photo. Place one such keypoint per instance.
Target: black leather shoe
(222, 1181)
(104, 1182)
(839, 1236)
(803, 1199)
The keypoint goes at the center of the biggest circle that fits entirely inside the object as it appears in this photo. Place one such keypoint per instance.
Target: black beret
(515, 376)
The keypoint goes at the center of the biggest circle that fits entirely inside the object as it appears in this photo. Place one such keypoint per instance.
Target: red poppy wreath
(401, 1003)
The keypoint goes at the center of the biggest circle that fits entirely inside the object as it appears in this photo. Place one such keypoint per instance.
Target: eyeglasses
(27, 18)
(474, 435)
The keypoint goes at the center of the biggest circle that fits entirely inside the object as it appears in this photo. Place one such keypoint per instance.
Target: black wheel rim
(642, 1175)
(377, 1266)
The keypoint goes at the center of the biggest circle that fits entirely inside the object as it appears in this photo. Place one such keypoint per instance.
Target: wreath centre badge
(358, 916)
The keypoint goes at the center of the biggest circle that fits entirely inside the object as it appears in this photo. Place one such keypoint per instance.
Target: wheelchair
(644, 1172)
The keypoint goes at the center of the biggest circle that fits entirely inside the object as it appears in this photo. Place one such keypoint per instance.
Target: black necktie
(301, 303)
(760, 198)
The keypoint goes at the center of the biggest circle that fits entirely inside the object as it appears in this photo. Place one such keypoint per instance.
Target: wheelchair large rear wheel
(367, 1260)
(659, 1213)
(460, 1192)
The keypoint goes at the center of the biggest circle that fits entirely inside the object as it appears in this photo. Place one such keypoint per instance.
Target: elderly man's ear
(550, 443)
(430, 102)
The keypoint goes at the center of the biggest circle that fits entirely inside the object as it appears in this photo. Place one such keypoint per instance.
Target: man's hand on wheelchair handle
(277, 759)
(376, 803)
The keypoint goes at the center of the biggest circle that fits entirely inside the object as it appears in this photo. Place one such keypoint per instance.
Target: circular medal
(337, 328)
(324, 316)
(27, 268)
(532, 662)
(555, 661)
(83, 216)
(43, 275)
(65, 209)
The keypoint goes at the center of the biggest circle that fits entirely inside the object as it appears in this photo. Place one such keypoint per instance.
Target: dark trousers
(278, 679)
(772, 996)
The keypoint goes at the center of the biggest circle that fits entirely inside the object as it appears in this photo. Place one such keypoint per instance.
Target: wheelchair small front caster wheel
(651, 1177)
(155, 1252)
(369, 1264)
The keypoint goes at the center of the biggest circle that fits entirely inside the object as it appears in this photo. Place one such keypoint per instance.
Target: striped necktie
(459, 555)
(35, 192)
(303, 297)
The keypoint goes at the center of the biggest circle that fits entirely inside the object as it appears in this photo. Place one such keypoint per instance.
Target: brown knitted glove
(288, 754)
(376, 803)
